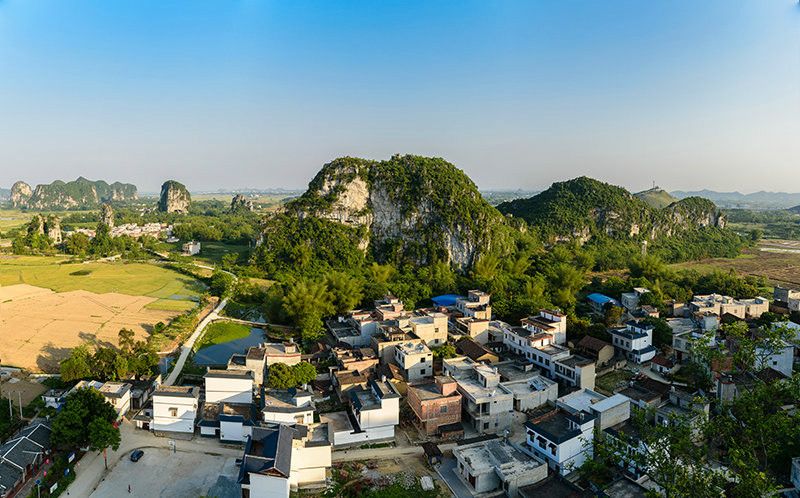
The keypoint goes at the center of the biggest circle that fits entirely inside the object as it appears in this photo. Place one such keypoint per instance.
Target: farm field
(49, 305)
(777, 261)
(15, 218)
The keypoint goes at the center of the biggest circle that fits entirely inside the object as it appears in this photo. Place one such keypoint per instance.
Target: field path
(187, 346)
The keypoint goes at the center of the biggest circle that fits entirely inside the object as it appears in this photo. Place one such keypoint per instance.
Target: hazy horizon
(225, 95)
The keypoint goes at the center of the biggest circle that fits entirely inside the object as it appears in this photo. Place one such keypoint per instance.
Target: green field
(15, 218)
(135, 279)
(219, 332)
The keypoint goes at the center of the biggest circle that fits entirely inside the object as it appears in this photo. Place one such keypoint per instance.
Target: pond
(219, 354)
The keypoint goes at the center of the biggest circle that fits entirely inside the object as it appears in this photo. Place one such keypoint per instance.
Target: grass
(15, 218)
(135, 279)
(180, 305)
(220, 332)
(612, 380)
(212, 252)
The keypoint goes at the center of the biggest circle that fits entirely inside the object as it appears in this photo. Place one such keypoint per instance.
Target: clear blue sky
(688, 93)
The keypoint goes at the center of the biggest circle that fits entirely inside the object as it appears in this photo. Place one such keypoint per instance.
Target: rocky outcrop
(53, 229)
(77, 194)
(21, 193)
(107, 215)
(409, 208)
(174, 198)
(240, 204)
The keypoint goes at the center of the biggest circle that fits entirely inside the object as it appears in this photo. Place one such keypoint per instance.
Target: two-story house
(372, 415)
(415, 359)
(488, 406)
(436, 405)
(634, 341)
(175, 410)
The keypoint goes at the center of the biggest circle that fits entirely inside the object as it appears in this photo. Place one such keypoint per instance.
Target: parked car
(136, 455)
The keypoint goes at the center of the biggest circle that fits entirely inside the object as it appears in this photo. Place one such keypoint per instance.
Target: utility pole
(10, 410)
(20, 404)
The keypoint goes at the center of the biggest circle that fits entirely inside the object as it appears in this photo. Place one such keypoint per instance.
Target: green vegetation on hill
(656, 198)
(79, 194)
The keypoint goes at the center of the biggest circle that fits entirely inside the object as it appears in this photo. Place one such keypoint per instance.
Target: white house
(117, 394)
(475, 305)
(635, 341)
(374, 413)
(776, 358)
(228, 410)
(281, 458)
(497, 465)
(488, 405)
(288, 406)
(563, 439)
(191, 248)
(174, 410)
(548, 322)
(430, 327)
(630, 300)
(415, 359)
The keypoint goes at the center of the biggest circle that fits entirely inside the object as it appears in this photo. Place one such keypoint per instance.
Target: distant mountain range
(756, 200)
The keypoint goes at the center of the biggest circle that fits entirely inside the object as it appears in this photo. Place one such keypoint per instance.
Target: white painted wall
(229, 390)
(289, 418)
(262, 486)
(183, 421)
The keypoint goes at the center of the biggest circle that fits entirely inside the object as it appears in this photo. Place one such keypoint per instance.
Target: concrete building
(488, 406)
(191, 248)
(634, 341)
(630, 300)
(288, 406)
(475, 305)
(117, 394)
(574, 371)
(719, 305)
(779, 357)
(373, 414)
(228, 411)
(174, 410)
(430, 327)
(280, 458)
(497, 466)
(389, 337)
(415, 359)
(281, 352)
(530, 389)
(682, 407)
(599, 302)
(606, 410)
(562, 438)
(549, 322)
(254, 361)
(436, 404)
(359, 359)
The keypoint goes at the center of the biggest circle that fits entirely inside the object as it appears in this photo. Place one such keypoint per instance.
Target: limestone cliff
(77, 194)
(240, 203)
(174, 198)
(411, 208)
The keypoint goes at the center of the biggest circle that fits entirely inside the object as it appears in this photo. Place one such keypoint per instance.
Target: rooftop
(429, 391)
(497, 455)
(557, 426)
(177, 391)
(284, 401)
(574, 360)
(228, 374)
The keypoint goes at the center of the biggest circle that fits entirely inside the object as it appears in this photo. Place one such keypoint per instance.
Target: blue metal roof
(600, 298)
(445, 300)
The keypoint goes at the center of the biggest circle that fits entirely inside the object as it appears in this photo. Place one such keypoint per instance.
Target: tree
(70, 427)
(304, 373)
(126, 339)
(444, 351)
(222, 283)
(613, 315)
(306, 302)
(77, 365)
(345, 291)
(77, 244)
(103, 434)
(281, 376)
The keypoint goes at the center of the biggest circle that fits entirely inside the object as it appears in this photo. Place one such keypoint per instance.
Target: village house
(431, 327)
(389, 337)
(475, 305)
(488, 405)
(117, 394)
(372, 415)
(415, 360)
(174, 410)
(562, 438)
(22, 456)
(721, 305)
(630, 300)
(530, 389)
(627, 443)
(288, 406)
(473, 350)
(228, 410)
(683, 407)
(281, 352)
(607, 410)
(359, 359)
(548, 322)
(142, 390)
(191, 248)
(254, 361)
(663, 365)
(786, 300)
(597, 349)
(496, 465)
(437, 405)
(600, 302)
(634, 341)
(778, 357)
(279, 459)
(345, 380)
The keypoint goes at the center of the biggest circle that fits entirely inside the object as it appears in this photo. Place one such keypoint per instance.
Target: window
(173, 412)
(443, 409)
(423, 360)
(486, 425)
(422, 372)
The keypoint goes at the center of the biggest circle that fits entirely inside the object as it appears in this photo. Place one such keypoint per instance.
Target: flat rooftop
(496, 454)
(177, 391)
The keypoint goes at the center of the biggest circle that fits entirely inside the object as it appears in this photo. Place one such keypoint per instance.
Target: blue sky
(518, 94)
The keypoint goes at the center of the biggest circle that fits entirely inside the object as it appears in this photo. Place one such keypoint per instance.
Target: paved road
(187, 346)
(90, 470)
(447, 471)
